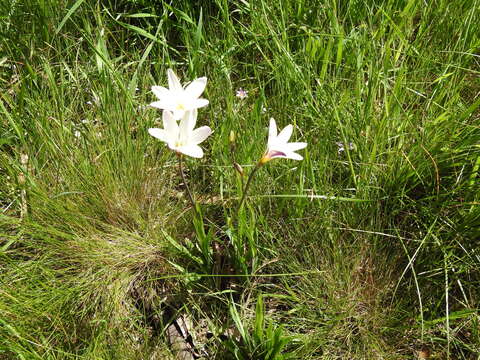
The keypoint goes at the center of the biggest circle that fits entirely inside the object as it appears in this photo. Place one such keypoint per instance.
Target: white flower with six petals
(182, 137)
(179, 99)
(278, 145)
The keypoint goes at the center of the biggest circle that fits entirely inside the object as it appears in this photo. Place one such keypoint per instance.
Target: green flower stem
(190, 196)
(249, 181)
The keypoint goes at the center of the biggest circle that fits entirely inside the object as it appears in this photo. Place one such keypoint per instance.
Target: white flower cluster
(180, 103)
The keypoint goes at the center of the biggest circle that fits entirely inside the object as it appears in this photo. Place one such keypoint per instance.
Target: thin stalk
(190, 196)
(245, 190)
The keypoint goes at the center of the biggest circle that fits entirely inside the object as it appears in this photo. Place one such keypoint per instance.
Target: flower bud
(239, 168)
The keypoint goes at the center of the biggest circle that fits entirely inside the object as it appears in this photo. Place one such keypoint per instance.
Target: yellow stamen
(264, 159)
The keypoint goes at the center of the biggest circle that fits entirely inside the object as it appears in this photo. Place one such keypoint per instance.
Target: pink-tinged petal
(196, 88)
(200, 134)
(296, 146)
(198, 103)
(160, 92)
(169, 123)
(285, 134)
(192, 150)
(160, 134)
(272, 131)
(173, 82)
(272, 154)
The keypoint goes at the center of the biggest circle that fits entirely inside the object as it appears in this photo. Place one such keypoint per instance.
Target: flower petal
(293, 156)
(160, 92)
(198, 103)
(178, 114)
(158, 104)
(195, 89)
(191, 150)
(159, 134)
(272, 131)
(285, 134)
(169, 123)
(188, 121)
(272, 154)
(296, 146)
(173, 82)
(200, 134)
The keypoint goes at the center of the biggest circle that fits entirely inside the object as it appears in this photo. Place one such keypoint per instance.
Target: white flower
(178, 99)
(182, 138)
(278, 145)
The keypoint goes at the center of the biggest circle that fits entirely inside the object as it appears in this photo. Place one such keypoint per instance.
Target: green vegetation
(369, 248)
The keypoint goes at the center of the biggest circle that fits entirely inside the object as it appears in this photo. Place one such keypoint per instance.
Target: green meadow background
(366, 249)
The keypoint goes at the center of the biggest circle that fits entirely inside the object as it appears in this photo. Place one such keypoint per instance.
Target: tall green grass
(367, 249)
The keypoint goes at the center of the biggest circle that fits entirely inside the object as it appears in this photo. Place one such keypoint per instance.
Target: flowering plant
(179, 104)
